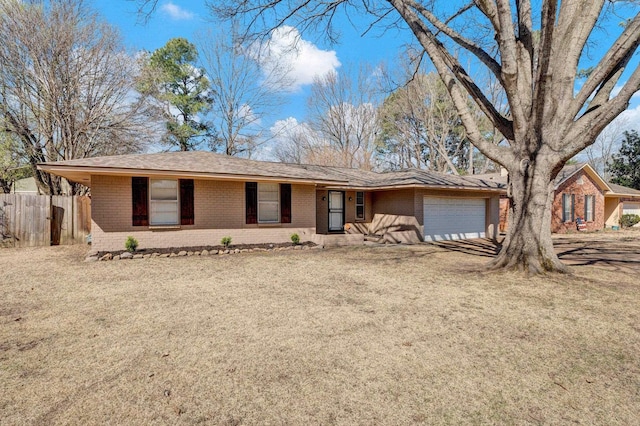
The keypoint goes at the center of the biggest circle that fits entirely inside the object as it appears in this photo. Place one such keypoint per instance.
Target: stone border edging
(93, 257)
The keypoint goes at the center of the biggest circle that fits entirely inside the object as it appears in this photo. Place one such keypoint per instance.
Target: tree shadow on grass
(482, 247)
(609, 254)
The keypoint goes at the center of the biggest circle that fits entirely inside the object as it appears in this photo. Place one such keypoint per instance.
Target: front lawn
(360, 335)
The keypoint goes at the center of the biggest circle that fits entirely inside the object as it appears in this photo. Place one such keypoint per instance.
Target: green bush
(628, 220)
(295, 239)
(225, 241)
(131, 244)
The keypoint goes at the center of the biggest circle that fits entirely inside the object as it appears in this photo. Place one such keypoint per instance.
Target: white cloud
(631, 118)
(288, 129)
(303, 59)
(246, 114)
(619, 87)
(176, 12)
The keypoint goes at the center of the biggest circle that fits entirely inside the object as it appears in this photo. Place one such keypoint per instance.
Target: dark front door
(336, 210)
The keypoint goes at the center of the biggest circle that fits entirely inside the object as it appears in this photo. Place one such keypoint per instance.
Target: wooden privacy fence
(42, 220)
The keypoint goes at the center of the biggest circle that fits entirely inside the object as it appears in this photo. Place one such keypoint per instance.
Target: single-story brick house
(182, 199)
(580, 193)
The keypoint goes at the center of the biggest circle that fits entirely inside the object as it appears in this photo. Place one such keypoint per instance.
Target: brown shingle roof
(623, 190)
(566, 172)
(192, 162)
(217, 165)
(428, 178)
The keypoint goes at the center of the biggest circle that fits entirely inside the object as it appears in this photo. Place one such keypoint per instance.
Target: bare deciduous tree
(341, 125)
(66, 85)
(243, 90)
(420, 126)
(10, 161)
(599, 154)
(533, 50)
(343, 113)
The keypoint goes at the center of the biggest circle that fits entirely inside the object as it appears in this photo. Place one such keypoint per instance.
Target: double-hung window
(163, 202)
(589, 207)
(568, 201)
(267, 202)
(359, 205)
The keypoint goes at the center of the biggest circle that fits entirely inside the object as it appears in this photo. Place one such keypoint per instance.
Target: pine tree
(625, 167)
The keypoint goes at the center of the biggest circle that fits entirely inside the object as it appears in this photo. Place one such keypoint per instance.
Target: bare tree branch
(68, 89)
(609, 66)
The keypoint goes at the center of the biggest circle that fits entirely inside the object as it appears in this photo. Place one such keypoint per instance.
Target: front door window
(336, 210)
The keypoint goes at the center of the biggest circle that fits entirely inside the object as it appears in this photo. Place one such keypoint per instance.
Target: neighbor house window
(568, 202)
(359, 205)
(160, 202)
(589, 207)
(267, 202)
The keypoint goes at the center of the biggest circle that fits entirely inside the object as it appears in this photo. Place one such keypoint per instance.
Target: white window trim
(277, 202)
(152, 201)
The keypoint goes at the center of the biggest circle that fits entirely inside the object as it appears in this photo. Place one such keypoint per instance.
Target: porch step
(337, 240)
(375, 238)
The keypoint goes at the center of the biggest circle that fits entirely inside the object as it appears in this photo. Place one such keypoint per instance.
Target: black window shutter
(140, 201)
(573, 207)
(593, 207)
(186, 202)
(564, 207)
(285, 203)
(251, 194)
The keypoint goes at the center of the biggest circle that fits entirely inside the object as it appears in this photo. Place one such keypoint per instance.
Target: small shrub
(131, 244)
(295, 239)
(226, 241)
(628, 220)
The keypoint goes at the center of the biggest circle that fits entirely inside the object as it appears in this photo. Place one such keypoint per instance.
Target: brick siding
(219, 211)
(579, 185)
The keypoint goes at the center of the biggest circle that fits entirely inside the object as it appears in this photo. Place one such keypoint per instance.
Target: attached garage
(454, 218)
(631, 208)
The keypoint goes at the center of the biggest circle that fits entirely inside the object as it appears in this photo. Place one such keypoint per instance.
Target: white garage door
(630, 208)
(454, 218)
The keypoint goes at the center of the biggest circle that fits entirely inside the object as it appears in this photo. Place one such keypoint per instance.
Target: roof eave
(412, 186)
(620, 194)
(591, 172)
(85, 173)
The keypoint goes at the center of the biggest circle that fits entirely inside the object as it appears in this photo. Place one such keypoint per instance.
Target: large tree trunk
(528, 245)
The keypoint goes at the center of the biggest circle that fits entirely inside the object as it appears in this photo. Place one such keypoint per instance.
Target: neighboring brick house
(182, 199)
(580, 194)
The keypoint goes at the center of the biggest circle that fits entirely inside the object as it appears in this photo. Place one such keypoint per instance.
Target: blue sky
(183, 18)
(178, 18)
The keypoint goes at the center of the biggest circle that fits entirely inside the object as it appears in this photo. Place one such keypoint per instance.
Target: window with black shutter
(155, 201)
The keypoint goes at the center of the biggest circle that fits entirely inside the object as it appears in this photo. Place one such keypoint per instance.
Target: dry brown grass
(365, 335)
